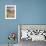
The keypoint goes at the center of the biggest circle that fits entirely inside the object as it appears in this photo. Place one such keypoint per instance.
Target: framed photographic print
(10, 11)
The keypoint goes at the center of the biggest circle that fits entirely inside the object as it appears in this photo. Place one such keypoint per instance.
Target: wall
(27, 12)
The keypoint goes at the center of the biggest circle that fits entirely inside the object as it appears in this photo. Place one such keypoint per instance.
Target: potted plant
(11, 37)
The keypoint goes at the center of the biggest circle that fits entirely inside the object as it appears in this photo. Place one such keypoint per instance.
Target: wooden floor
(9, 45)
(30, 43)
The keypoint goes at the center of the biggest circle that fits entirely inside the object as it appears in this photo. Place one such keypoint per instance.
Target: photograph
(10, 11)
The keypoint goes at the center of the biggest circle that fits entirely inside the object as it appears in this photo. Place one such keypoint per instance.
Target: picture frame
(10, 11)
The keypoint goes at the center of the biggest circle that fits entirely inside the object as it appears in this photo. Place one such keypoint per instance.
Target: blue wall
(27, 12)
